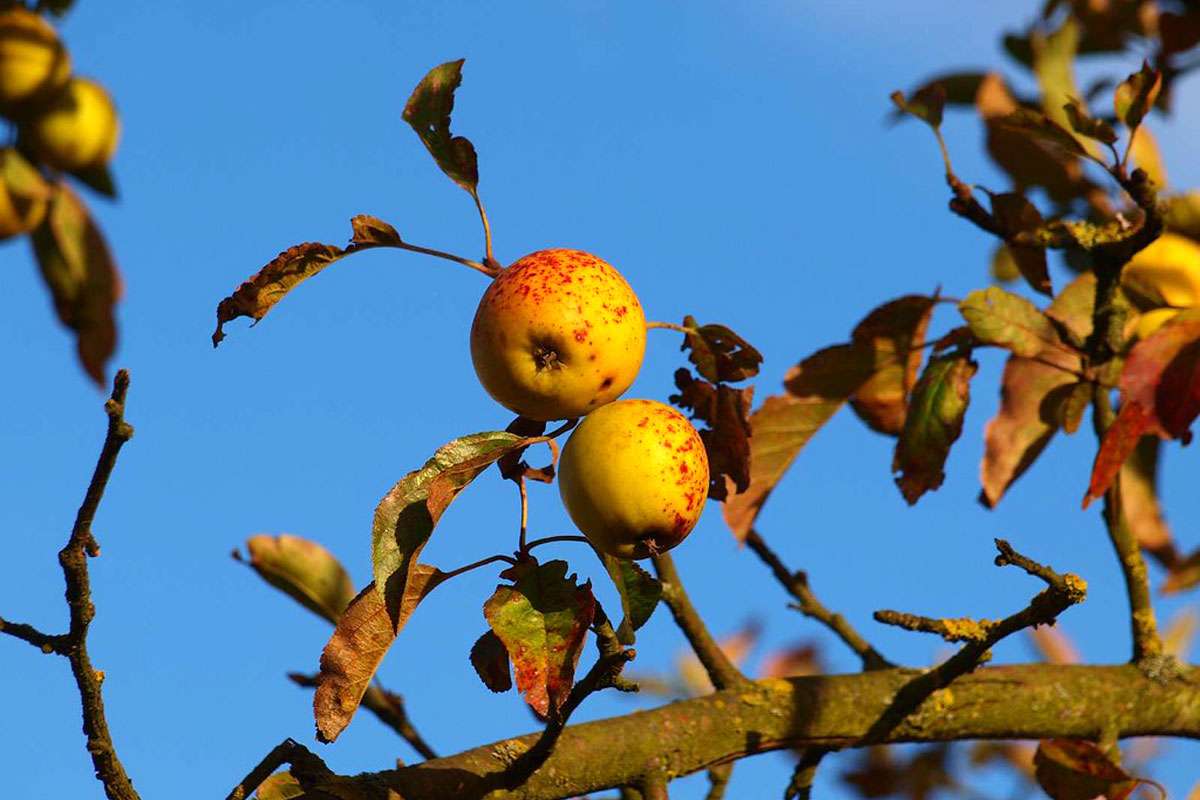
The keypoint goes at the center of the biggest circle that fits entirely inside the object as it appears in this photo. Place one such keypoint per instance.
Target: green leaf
(82, 277)
(1087, 125)
(364, 634)
(490, 660)
(934, 422)
(718, 353)
(408, 513)
(428, 112)
(817, 388)
(303, 570)
(1003, 266)
(1135, 96)
(1001, 318)
(895, 335)
(639, 593)
(926, 104)
(269, 285)
(542, 619)
(1053, 64)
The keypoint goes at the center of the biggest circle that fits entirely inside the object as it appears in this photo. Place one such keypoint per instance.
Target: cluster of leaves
(74, 259)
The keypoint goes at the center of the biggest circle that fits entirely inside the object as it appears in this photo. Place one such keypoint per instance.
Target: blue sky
(731, 159)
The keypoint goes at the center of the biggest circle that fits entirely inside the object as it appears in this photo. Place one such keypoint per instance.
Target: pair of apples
(67, 123)
(560, 334)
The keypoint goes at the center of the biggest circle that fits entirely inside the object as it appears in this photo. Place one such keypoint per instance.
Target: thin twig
(796, 584)
(721, 671)
(549, 539)
(1062, 592)
(483, 562)
(387, 706)
(520, 481)
(800, 786)
(45, 642)
(718, 781)
(304, 765)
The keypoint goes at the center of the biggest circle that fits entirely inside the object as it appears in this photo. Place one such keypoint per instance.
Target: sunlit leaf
(362, 637)
(542, 619)
(895, 334)
(407, 515)
(1135, 95)
(490, 660)
(1160, 394)
(639, 591)
(428, 112)
(269, 285)
(82, 277)
(304, 570)
(718, 353)
(1001, 318)
(1053, 64)
(934, 422)
(817, 388)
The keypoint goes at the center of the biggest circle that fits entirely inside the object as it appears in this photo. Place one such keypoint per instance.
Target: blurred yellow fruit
(1162, 279)
(23, 195)
(78, 128)
(33, 61)
(558, 334)
(634, 478)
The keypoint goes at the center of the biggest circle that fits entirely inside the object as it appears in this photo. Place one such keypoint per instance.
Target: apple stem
(490, 271)
(671, 326)
(488, 258)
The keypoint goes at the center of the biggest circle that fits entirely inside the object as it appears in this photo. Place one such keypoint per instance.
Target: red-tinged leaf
(1160, 394)
(1136, 95)
(490, 660)
(269, 285)
(639, 591)
(542, 619)
(726, 412)
(926, 104)
(718, 353)
(1071, 769)
(1000, 318)
(1026, 421)
(428, 112)
(895, 334)
(1015, 214)
(1183, 575)
(1139, 503)
(1086, 125)
(934, 422)
(303, 570)
(407, 515)
(280, 786)
(82, 277)
(818, 387)
(362, 637)
(803, 658)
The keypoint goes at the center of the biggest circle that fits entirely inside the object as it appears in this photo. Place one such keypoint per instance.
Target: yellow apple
(558, 334)
(634, 478)
(23, 194)
(76, 129)
(33, 61)
(1162, 279)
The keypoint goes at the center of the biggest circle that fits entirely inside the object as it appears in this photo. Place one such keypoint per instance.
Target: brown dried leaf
(726, 412)
(1072, 769)
(428, 112)
(362, 637)
(926, 104)
(490, 660)
(82, 277)
(304, 570)
(895, 334)
(269, 285)
(1015, 214)
(718, 353)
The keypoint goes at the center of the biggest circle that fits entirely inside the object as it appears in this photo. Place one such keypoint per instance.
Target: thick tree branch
(1011, 702)
(796, 584)
(721, 671)
(387, 706)
(74, 556)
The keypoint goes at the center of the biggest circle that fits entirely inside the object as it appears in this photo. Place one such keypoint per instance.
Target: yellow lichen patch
(965, 629)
